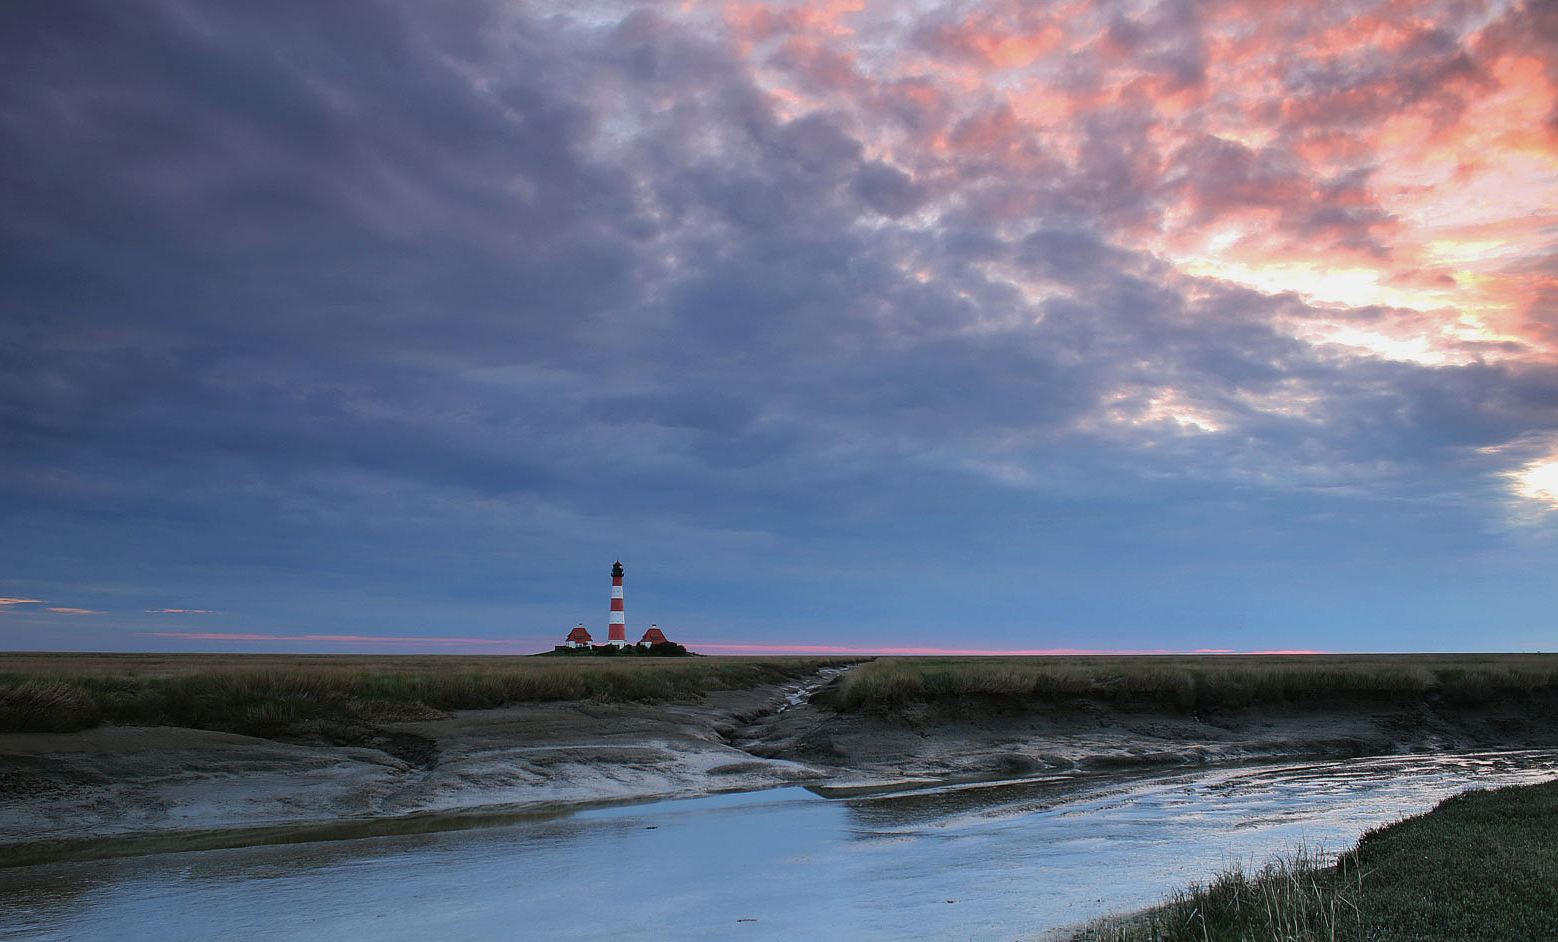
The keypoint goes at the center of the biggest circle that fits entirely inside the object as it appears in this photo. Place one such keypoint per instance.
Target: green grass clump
(1198, 682)
(1482, 866)
(1297, 899)
(269, 694)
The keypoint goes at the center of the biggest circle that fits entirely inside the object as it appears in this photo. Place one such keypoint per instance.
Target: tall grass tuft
(47, 706)
(1295, 899)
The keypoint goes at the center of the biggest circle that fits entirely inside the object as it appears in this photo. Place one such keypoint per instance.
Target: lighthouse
(617, 635)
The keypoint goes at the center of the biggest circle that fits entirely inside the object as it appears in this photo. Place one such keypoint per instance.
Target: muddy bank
(1002, 736)
(112, 789)
(102, 790)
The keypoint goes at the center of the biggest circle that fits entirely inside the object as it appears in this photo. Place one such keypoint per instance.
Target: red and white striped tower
(618, 632)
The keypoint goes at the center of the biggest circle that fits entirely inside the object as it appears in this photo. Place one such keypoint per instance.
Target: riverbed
(987, 860)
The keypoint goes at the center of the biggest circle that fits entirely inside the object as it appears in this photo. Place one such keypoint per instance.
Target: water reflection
(983, 860)
(908, 809)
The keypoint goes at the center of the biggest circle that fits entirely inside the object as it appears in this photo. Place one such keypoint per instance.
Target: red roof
(579, 634)
(653, 636)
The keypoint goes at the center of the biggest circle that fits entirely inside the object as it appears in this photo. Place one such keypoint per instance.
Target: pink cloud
(21, 601)
(179, 611)
(995, 46)
(334, 639)
(1333, 152)
(75, 611)
(520, 645)
(955, 652)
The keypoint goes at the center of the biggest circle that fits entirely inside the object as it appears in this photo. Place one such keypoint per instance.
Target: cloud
(420, 299)
(75, 611)
(179, 611)
(9, 602)
(866, 650)
(887, 190)
(1537, 481)
(238, 637)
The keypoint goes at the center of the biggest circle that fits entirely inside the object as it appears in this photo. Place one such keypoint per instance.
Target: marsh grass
(1481, 866)
(1185, 683)
(268, 694)
(1296, 899)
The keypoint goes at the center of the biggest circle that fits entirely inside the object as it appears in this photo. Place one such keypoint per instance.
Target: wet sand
(109, 790)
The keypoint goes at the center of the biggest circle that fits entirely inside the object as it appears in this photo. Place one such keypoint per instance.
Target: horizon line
(727, 648)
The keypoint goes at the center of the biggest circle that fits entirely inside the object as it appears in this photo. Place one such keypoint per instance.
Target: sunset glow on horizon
(241, 642)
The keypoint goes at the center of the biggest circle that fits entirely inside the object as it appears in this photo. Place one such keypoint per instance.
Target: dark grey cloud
(887, 190)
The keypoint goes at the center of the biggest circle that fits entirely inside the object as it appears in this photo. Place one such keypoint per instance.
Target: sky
(977, 326)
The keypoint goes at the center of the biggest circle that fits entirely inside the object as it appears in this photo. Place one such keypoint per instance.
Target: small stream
(995, 860)
(798, 692)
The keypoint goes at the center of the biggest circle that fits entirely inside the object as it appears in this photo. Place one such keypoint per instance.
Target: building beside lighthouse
(653, 636)
(577, 638)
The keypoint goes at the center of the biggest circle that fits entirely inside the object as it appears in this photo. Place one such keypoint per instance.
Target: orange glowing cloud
(74, 611)
(1332, 151)
(1459, 177)
(1537, 481)
(993, 40)
(1015, 52)
(1393, 165)
(5, 602)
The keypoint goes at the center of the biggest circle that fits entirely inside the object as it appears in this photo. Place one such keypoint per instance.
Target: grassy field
(1184, 683)
(1481, 866)
(263, 694)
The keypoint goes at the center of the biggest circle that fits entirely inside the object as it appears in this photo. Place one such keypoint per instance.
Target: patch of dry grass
(263, 694)
(1184, 683)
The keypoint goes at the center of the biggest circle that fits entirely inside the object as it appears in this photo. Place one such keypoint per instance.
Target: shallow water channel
(995, 860)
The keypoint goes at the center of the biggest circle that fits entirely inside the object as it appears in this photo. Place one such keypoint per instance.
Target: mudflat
(113, 789)
(61, 794)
